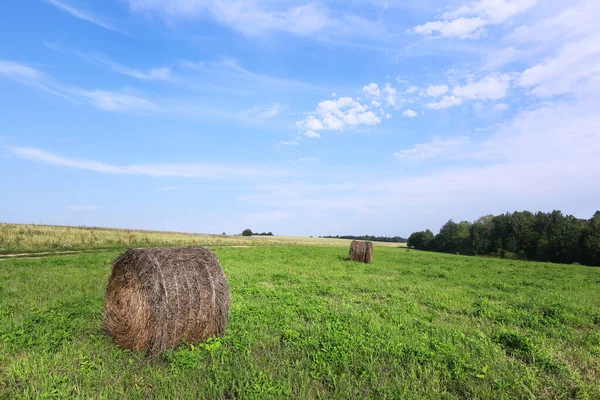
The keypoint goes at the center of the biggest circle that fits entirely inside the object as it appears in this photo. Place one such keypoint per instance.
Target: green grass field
(305, 323)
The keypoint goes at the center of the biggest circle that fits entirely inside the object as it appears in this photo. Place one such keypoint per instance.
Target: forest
(552, 237)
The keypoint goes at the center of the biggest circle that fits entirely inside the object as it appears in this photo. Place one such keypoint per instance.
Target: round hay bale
(361, 251)
(159, 298)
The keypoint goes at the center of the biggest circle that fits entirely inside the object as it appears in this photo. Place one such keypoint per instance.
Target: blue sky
(297, 117)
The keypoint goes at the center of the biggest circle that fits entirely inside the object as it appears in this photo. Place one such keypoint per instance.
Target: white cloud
(551, 132)
(269, 113)
(83, 15)
(262, 112)
(192, 64)
(31, 77)
(19, 71)
(182, 170)
(491, 87)
(575, 69)
(250, 17)
(301, 20)
(501, 107)
(565, 131)
(84, 208)
(553, 153)
(499, 58)
(101, 99)
(231, 68)
(577, 21)
(311, 134)
(445, 102)
(54, 46)
(542, 39)
(462, 28)
(334, 94)
(372, 89)
(390, 94)
(259, 17)
(409, 113)
(313, 124)
(411, 89)
(437, 90)
(494, 11)
(302, 160)
(437, 148)
(337, 115)
(333, 122)
(130, 102)
(288, 143)
(115, 101)
(388, 91)
(467, 22)
(154, 74)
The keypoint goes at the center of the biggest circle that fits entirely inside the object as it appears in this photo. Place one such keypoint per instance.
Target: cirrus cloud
(469, 21)
(437, 90)
(83, 15)
(210, 171)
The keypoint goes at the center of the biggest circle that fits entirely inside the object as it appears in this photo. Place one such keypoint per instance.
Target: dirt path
(66, 252)
(49, 253)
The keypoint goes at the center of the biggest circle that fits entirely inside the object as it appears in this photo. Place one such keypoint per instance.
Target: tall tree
(462, 240)
(421, 240)
(446, 239)
(481, 235)
(590, 242)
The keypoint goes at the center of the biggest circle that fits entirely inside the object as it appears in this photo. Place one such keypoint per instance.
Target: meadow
(306, 323)
(27, 238)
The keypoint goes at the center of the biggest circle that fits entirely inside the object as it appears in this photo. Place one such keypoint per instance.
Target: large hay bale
(361, 251)
(159, 298)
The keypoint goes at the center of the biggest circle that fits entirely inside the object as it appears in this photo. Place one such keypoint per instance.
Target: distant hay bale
(159, 298)
(361, 251)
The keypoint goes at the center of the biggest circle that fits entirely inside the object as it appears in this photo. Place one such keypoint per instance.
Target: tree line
(248, 232)
(394, 239)
(541, 236)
